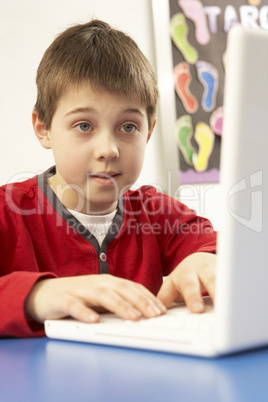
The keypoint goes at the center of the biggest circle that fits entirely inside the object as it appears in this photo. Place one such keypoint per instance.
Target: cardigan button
(103, 257)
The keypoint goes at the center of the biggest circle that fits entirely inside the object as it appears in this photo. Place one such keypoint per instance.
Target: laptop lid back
(242, 278)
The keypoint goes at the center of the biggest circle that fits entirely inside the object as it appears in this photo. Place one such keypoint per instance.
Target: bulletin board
(198, 34)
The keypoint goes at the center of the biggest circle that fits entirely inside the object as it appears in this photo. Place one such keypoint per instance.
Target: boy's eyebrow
(91, 110)
(134, 110)
(80, 110)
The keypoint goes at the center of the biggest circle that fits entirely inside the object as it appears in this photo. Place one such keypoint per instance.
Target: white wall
(26, 29)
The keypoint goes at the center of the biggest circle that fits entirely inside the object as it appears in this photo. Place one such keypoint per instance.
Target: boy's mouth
(105, 177)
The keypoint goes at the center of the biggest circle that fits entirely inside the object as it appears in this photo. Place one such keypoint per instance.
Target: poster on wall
(198, 32)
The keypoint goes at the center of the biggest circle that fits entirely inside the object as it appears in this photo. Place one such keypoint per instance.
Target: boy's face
(98, 141)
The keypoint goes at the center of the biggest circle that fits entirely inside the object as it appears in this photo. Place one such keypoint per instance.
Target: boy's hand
(77, 297)
(193, 276)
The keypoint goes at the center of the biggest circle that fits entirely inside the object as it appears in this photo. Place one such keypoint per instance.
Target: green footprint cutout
(184, 133)
(179, 32)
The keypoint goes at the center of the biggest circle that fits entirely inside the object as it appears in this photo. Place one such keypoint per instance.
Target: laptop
(238, 319)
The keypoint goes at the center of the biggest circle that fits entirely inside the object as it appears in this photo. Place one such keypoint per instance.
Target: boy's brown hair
(106, 58)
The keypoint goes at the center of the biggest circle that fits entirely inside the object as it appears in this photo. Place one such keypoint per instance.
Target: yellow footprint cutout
(204, 137)
(179, 33)
(184, 133)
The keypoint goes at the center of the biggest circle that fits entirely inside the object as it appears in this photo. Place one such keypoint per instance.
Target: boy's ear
(151, 131)
(40, 130)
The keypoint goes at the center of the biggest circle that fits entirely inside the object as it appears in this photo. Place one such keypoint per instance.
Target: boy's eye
(84, 127)
(128, 128)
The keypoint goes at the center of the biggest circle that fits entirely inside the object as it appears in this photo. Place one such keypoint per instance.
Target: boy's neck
(78, 202)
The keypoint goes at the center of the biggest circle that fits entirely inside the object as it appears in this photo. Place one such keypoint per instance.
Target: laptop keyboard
(177, 318)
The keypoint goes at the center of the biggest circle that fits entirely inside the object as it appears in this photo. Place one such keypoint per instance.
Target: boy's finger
(136, 295)
(187, 290)
(168, 293)
(195, 303)
(191, 291)
(83, 313)
(73, 307)
(143, 300)
(208, 277)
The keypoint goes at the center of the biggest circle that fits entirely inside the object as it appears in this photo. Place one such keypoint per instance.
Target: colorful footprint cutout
(182, 77)
(205, 139)
(184, 133)
(179, 33)
(224, 59)
(209, 78)
(216, 120)
(193, 9)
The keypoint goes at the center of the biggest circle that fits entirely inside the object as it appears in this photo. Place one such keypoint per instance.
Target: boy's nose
(106, 147)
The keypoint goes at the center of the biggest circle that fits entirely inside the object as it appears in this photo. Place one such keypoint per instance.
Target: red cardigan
(150, 235)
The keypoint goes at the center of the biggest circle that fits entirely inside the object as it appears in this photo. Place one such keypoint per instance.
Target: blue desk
(56, 371)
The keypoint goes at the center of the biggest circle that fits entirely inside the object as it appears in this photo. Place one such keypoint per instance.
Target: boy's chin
(96, 207)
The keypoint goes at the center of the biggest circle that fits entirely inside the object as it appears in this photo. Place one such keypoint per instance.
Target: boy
(95, 109)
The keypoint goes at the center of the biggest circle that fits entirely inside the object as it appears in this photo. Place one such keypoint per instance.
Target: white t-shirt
(98, 225)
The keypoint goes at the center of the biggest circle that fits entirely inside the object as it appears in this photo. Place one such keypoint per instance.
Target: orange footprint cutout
(183, 78)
